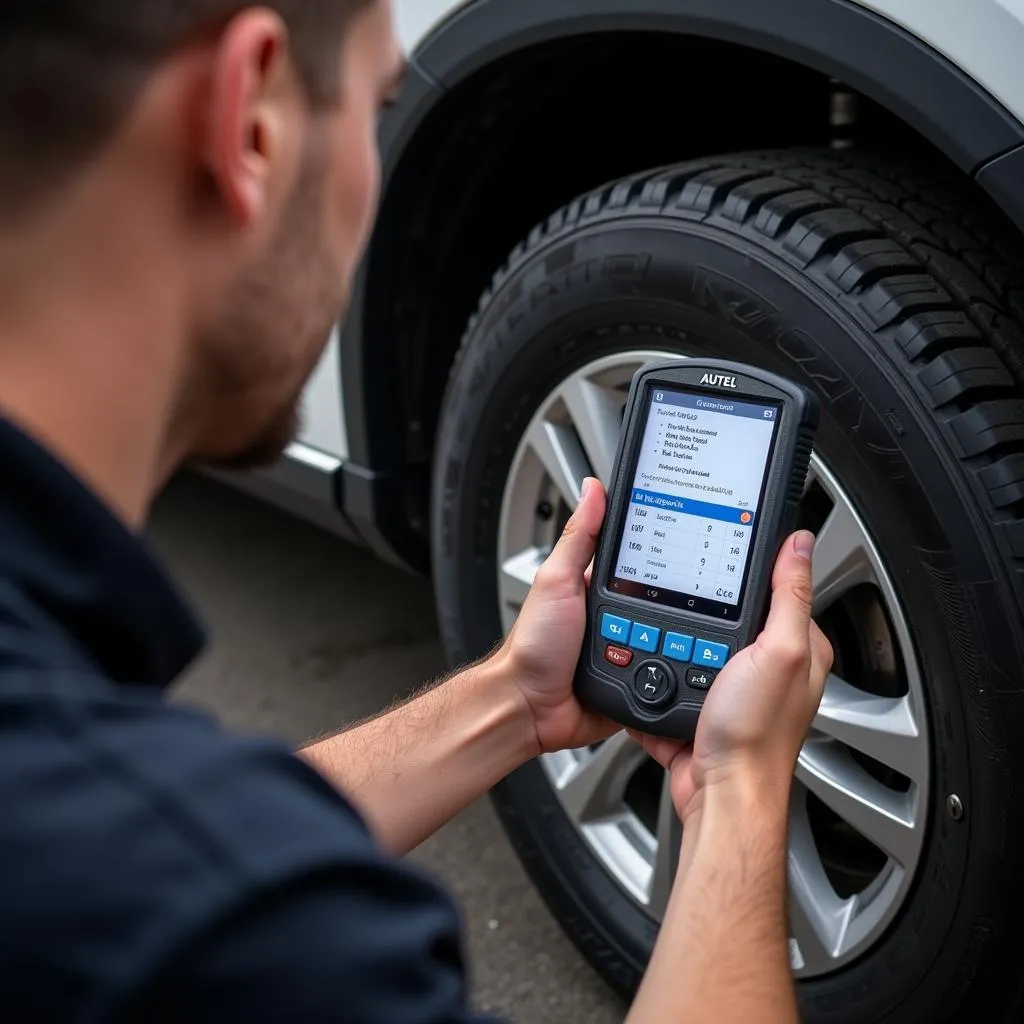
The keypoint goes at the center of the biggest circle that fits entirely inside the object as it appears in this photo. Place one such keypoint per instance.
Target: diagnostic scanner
(711, 466)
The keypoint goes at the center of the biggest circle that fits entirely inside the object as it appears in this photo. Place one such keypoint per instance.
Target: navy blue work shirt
(154, 867)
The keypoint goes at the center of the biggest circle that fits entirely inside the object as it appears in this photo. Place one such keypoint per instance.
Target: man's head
(233, 148)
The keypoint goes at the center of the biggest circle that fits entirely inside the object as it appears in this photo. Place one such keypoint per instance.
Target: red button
(618, 655)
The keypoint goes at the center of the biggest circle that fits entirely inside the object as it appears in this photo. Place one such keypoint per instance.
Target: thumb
(792, 589)
(575, 548)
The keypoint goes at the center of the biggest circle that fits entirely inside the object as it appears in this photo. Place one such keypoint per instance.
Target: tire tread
(933, 277)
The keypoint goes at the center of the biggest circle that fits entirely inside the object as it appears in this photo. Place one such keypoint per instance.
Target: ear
(248, 124)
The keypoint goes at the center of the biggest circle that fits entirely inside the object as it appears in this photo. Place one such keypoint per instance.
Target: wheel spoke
(841, 556)
(884, 816)
(884, 728)
(595, 788)
(597, 418)
(666, 858)
(518, 573)
(809, 480)
(818, 918)
(558, 448)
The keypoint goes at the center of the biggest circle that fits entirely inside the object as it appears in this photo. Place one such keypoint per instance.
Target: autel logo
(718, 380)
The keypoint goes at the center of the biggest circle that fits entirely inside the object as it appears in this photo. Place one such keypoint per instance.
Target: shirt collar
(63, 548)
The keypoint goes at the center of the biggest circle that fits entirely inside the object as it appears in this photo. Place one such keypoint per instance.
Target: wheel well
(526, 134)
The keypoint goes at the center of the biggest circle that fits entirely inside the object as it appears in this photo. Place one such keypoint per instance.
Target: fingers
(574, 551)
(790, 615)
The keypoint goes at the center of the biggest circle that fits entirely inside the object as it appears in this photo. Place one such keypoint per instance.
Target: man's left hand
(540, 654)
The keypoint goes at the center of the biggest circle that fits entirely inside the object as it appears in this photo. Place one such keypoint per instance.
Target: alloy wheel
(858, 810)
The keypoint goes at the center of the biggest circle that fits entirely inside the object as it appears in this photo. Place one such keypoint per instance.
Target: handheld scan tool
(711, 466)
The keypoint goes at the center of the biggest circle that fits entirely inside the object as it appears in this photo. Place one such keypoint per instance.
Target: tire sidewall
(642, 284)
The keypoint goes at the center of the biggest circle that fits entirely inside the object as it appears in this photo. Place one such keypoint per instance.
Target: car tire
(896, 299)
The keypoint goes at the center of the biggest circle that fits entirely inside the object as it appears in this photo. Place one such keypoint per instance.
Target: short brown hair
(71, 69)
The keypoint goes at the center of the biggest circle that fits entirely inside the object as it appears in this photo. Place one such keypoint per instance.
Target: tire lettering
(795, 345)
(505, 301)
(625, 265)
(718, 294)
(582, 273)
(619, 267)
(544, 291)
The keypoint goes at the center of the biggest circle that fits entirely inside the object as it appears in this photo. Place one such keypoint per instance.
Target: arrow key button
(653, 684)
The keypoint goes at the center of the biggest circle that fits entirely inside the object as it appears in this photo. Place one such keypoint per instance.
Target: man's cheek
(372, 181)
(362, 201)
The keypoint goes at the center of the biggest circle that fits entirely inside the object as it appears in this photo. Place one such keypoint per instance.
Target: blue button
(712, 655)
(678, 647)
(644, 638)
(614, 627)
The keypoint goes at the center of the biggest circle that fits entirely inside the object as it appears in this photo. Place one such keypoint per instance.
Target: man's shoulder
(130, 824)
(69, 737)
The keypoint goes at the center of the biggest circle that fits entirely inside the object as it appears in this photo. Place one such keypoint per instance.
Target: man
(185, 190)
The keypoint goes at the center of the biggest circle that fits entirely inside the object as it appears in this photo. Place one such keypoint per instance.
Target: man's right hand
(760, 708)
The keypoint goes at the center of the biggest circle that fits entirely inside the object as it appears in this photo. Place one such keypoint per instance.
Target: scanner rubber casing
(608, 690)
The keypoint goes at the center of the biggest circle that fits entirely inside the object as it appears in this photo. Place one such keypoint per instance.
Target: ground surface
(310, 634)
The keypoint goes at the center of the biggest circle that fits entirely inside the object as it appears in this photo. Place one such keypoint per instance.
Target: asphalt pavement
(309, 634)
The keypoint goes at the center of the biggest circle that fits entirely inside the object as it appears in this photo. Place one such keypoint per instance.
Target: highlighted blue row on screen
(704, 509)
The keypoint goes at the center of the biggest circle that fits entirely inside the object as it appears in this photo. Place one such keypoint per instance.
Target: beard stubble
(274, 329)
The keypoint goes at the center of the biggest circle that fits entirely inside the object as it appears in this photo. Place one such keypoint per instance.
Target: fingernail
(585, 490)
(803, 544)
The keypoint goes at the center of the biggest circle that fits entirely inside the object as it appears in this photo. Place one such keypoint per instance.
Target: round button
(654, 683)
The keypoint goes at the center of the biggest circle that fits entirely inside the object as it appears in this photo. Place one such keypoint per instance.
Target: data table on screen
(695, 495)
(687, 553)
